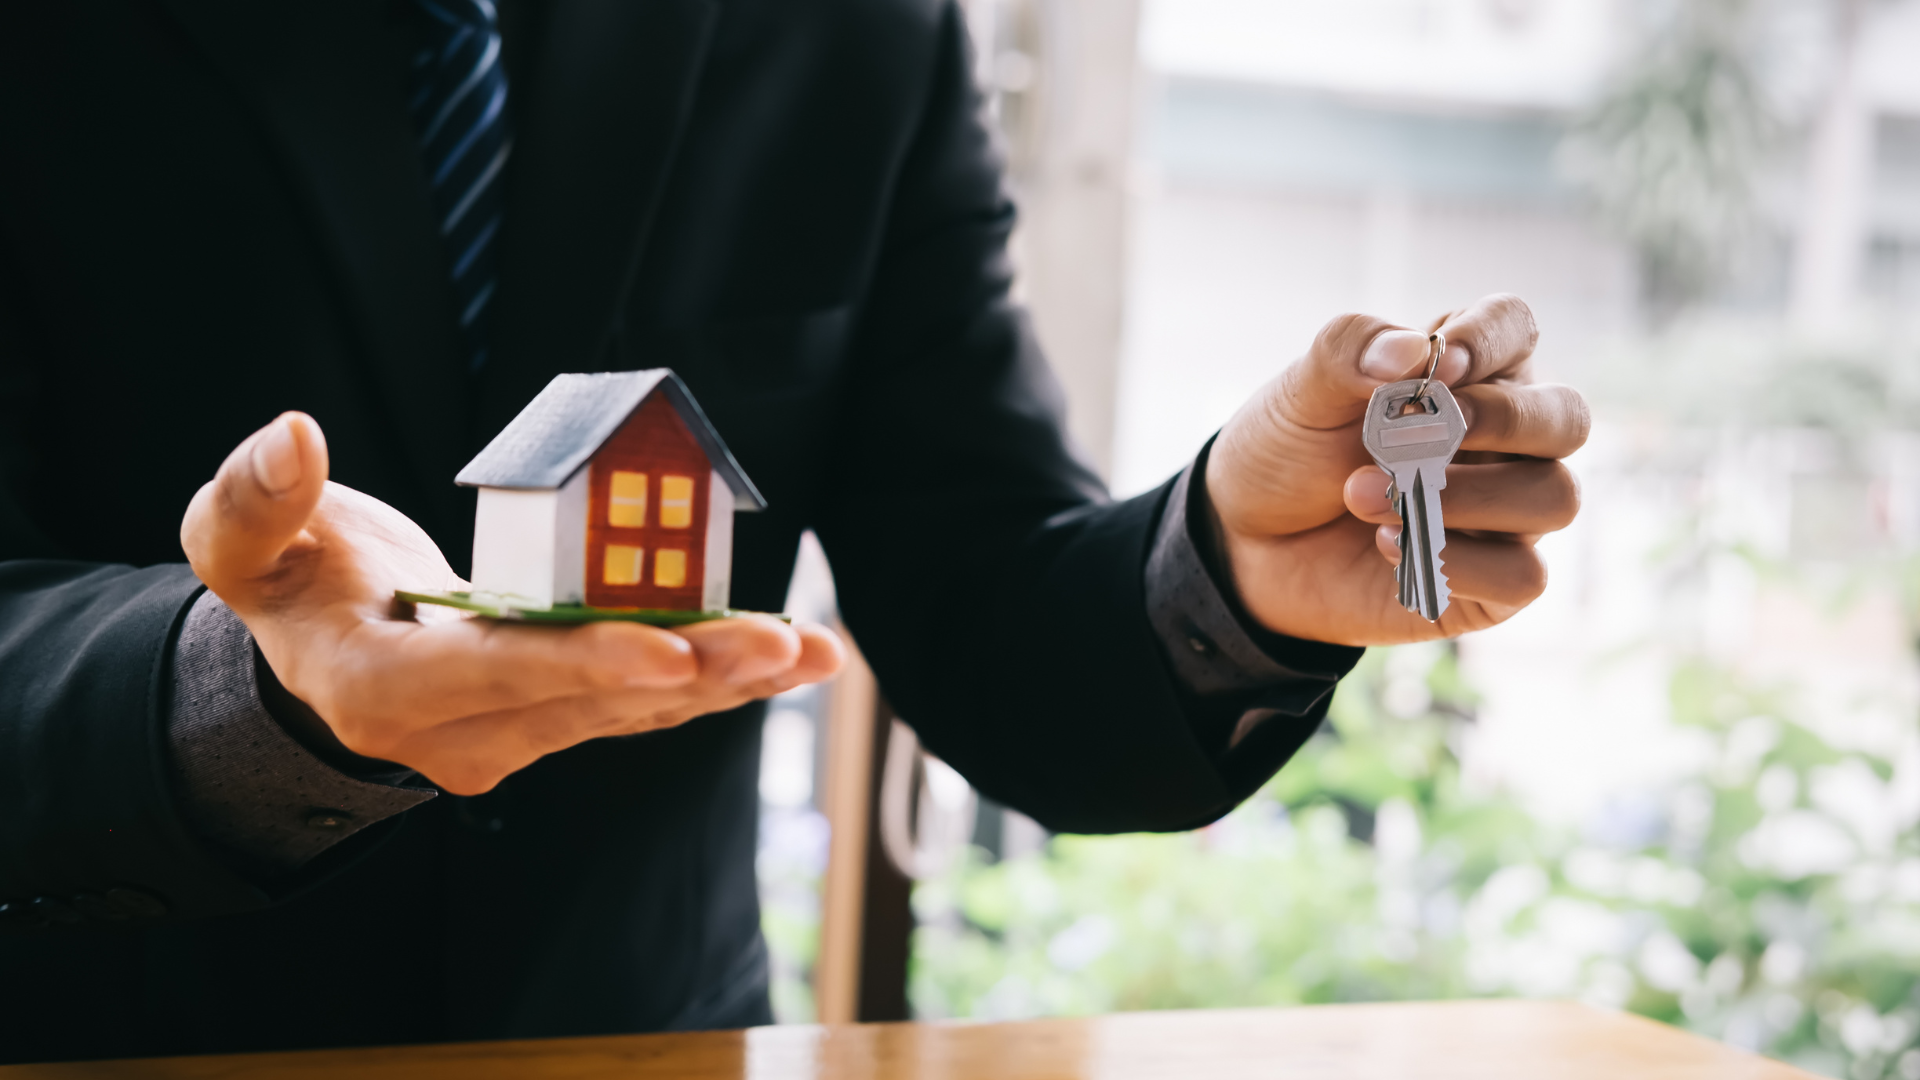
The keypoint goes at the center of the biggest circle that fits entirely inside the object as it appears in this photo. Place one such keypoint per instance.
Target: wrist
(1234, 559)
(1205, 528)
(1254, 574)
(304, 724)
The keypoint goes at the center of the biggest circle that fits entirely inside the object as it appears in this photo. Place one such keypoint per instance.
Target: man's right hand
(311, 567)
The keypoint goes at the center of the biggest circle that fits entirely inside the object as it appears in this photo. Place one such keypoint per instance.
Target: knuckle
(1500, 329)
(1509, 417)
(1535, 581)
(1347, 336)
(226, 486)
(1565, 495)
(1499, 417)
(1526, 574)
(1515, 312)
(1581, 415)
(1344, 326)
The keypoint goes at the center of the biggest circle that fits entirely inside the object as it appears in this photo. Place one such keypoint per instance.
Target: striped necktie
(459, 110)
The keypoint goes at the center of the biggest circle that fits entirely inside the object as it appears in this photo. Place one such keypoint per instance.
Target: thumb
(1352, 356)
(240, 522)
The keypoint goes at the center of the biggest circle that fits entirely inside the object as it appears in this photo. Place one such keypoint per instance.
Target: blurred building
(1299, 160)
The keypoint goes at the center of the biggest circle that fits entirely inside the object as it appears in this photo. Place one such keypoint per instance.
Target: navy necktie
(459, 110)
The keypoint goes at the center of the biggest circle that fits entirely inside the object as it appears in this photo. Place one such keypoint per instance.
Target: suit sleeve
(243, 783)
(997, 592)
(91, 823)
(88, 824)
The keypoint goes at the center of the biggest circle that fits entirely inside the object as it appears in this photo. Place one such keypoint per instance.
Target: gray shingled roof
(575, 415)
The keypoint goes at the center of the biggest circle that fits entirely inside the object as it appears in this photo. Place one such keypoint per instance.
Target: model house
(609, 490)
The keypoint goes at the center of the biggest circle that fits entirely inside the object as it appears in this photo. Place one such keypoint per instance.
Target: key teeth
(1441, 594)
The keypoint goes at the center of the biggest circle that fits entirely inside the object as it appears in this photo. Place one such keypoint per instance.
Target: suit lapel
(325, 86)
(597, 118)
(596, 128)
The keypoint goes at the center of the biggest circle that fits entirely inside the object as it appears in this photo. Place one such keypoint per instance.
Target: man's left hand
(1301, 518)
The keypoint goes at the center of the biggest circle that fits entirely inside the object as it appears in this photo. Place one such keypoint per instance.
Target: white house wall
(570, 540)
(513, 544)
(717, 592)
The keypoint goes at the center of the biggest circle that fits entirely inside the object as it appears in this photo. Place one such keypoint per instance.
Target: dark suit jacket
(213, 210)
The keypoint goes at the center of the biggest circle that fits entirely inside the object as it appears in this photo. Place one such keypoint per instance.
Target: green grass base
(571, 614)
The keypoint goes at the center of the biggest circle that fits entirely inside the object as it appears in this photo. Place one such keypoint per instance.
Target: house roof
(575, 415)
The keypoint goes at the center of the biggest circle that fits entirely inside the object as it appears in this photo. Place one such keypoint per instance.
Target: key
(1403, 574)
(1413, 439)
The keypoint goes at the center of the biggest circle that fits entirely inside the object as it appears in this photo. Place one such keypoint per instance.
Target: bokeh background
(1687, 781)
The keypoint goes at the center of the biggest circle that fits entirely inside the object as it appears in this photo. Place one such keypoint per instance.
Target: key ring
(1436, 345)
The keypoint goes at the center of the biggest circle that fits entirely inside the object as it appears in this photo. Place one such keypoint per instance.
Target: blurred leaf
(1669, 153)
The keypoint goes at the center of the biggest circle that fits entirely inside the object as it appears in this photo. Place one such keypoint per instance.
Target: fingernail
(1392, 354)
(276, 458)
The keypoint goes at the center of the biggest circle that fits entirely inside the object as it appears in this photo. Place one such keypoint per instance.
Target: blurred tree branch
(1669, 154)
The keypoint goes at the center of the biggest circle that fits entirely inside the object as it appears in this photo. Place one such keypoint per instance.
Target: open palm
(311, 567)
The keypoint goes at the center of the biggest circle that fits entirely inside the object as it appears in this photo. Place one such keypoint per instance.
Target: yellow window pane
(627, 501)
(623, 565)
(669, 568)
(676, 502)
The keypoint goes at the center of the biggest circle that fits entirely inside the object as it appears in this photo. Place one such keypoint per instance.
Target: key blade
(1425, 600)
(1403, 574)
(1396, 492)
(1430, 537)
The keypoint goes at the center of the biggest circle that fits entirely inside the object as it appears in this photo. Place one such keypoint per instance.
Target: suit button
(99, 908)
(55, 910)
(138, 904)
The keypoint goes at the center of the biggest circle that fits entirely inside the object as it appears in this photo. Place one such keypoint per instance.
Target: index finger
(1535, 421)
(1498, 335)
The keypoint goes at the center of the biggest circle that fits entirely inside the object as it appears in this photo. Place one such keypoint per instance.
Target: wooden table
(1469, 1040)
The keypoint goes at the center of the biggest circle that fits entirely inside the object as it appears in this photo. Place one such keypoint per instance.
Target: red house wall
(653, 441)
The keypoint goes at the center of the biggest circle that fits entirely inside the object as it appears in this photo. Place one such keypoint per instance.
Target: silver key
(1414, 446)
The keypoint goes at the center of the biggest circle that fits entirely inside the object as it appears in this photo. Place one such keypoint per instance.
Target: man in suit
(246, 804)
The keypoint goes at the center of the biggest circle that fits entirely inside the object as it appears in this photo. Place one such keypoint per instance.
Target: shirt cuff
(1241, 673)
(244, 784)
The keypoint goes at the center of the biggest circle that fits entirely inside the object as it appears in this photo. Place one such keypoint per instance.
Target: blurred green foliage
(1771, 898)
